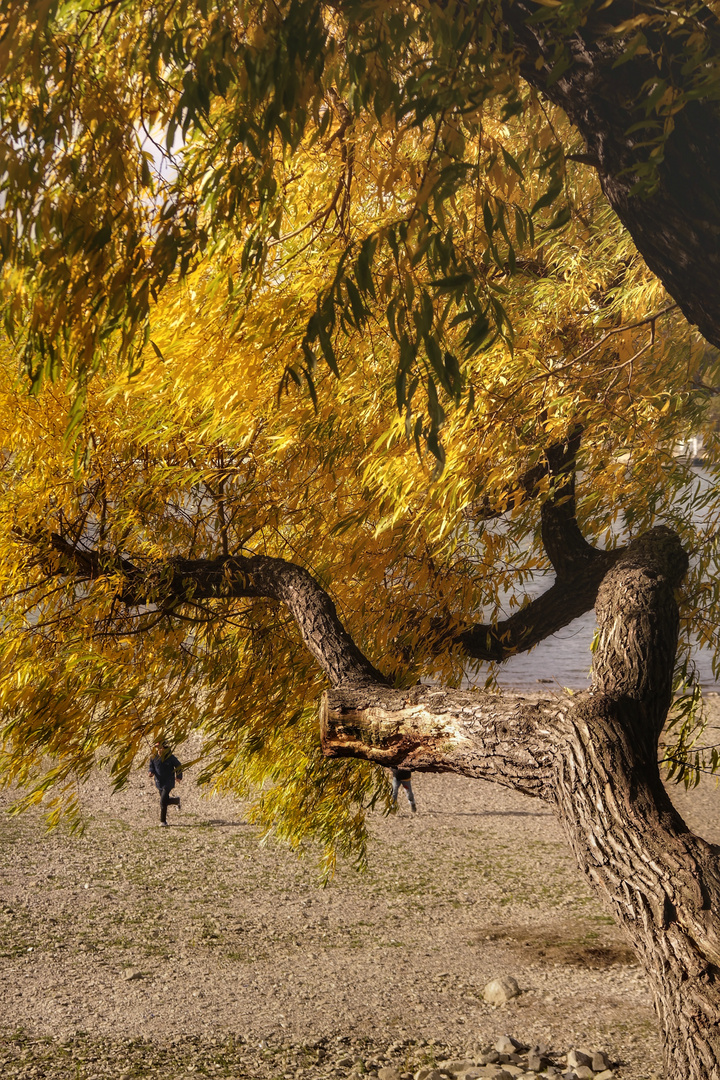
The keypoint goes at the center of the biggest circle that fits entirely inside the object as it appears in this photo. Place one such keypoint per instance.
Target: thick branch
(567, 549)
(179, 581)
(578, 565)
(500, 737)
(566, 600)
(638, 627)
(480, 735)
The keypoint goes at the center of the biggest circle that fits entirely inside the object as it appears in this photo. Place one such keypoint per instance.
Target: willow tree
(339, 322)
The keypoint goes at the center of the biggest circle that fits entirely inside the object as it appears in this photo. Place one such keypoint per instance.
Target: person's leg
(409, 792)
(395, 789)
(164, 800)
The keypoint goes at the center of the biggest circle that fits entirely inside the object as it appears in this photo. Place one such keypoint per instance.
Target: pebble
(508, 1058)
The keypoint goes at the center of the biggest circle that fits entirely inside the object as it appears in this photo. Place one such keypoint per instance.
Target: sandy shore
(132, 932)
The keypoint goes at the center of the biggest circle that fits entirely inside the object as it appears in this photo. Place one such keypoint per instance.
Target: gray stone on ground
(600, 1061)
(499, 991)
(577, 1057)
(454, 1065)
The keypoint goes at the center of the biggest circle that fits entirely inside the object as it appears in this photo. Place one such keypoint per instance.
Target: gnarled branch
(178, 581)
(580, 568)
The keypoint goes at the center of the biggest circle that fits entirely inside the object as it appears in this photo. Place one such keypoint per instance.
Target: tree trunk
(675, 222)
(593, 759)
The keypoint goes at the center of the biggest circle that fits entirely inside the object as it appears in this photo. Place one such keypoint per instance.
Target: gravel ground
(135, 951)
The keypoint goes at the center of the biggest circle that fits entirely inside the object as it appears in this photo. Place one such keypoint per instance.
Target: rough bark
(593, 758)
(676, 226)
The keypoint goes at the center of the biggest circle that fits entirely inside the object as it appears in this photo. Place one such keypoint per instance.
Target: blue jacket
(164, 770)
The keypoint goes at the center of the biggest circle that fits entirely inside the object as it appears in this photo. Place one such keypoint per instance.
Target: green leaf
(356, 304)
(559, 68)
(453, 375)
(416, 435)
(452, 283)
(328, 350)
(477, 335)
(561, 218)
(363, 266)
(520, 230)
(435, 409)
(548, 198)
(512, 163)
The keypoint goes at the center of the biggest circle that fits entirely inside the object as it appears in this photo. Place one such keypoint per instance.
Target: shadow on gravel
(573, 945)
(488, 813)
(213, 823)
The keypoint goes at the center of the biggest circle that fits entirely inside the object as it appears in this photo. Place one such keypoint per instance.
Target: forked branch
(580, 567)
(513, 740)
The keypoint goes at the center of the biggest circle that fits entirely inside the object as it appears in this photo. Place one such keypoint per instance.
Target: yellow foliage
(214, 445)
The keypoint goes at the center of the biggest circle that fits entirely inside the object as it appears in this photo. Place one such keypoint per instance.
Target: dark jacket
(403, 775)
(164, 770)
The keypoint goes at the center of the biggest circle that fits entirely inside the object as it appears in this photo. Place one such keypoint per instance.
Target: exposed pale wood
(480, 735)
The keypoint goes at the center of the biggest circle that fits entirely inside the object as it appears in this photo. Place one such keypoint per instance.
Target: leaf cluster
(339, 283)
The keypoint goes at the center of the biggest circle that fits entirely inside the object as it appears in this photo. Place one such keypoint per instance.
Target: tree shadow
(210, 823)
(490, 813)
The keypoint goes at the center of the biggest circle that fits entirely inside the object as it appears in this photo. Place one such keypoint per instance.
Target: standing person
(402, 776)
(165, 769)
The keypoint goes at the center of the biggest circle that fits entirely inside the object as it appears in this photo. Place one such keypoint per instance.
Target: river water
(563, 660)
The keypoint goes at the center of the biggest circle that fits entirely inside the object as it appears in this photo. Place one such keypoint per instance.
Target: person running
(165, 769)
(402, 776)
